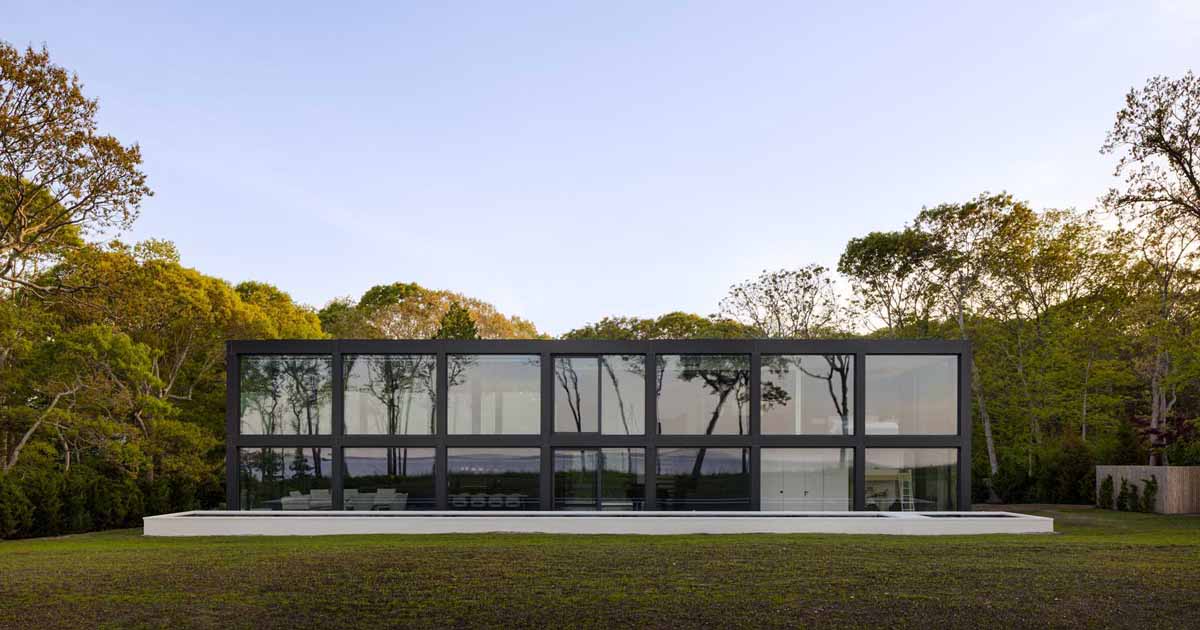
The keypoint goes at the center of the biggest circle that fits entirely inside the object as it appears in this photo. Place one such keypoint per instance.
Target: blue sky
(568, 161)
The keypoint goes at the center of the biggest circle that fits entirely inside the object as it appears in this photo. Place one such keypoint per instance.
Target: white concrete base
(232, 523)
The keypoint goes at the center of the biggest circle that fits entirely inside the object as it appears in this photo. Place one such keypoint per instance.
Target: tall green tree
(892, 278)
(456, 324)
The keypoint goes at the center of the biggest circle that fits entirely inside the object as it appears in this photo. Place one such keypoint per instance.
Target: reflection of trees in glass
(724, 376)
(836, 372)
(634, 364)
(309, 386)
(569, 380)
(262, 388)
(395, 381)
(269, 464)
(288, 394)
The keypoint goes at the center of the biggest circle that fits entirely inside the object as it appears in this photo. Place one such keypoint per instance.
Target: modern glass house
(771, 425)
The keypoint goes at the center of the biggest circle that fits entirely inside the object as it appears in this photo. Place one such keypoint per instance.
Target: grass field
(1101, 569)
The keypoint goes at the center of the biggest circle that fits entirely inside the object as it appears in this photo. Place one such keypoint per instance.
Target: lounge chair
(478, 501)
(513, 501)
(458, 501)
(296, 502)
(495, 501)
(320, 499)
(386, 499)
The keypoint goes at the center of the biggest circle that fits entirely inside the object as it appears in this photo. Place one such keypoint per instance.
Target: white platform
(232, 523)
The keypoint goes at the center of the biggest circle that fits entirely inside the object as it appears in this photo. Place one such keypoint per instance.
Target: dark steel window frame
(650, 440)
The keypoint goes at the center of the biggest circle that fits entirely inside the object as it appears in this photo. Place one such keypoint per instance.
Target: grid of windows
(608, 425)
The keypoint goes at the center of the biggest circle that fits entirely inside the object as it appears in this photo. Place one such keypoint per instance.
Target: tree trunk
(712, 425)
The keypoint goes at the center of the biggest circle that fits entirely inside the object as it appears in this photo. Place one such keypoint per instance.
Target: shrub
(45, 490)
(1133, 503)
(16, 512)
(1183, 453)
(1123, 496)
(1149, 494)
(1105, 498)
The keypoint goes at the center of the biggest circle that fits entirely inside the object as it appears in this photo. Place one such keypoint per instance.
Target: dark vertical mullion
(755, 432)
(232, 427)
(546, 477)
(599, 396)
(965, 426)
(860, 431)
(440, 462)
(650, 457)
(338, 429)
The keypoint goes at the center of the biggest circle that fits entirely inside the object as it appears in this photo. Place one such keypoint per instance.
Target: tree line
(112, 392)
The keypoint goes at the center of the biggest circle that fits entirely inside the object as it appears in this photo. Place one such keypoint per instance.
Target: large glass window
(388, 479)
(807, 478)
(493, 478)
(704, 394)
(494, 394)
(911, 479)
(603, 394)
(912, 394)
(286, 394)
(390, 394)
(285, 478)
(599, 479)
(703, 479)
(808, 394)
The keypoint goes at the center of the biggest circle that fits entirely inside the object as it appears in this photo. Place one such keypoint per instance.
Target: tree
(1157, 138)
(58, 174)
(409, 311)
(675, 325)
(963, 235)
(893, 279)
(793, 304)
(456, 324)
(1167, 281)
(285, 319)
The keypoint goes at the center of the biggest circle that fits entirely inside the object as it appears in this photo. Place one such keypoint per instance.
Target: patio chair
(458, 501)
(478, 501)
(513, 501)
(495, 501)
(348, 497)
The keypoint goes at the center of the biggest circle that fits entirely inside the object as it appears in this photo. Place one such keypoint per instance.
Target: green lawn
(1102, 569)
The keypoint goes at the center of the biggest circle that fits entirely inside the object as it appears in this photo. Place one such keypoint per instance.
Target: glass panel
(286, 395)
(285, 478)
(704, 394)
(912, 394)
(807, 478)
(494, 394)
(493, 478)
(808, 394)
(600, 394)
(599, 479)
(390, 394)
(912, 479)
(388, 479)
(703, 479)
